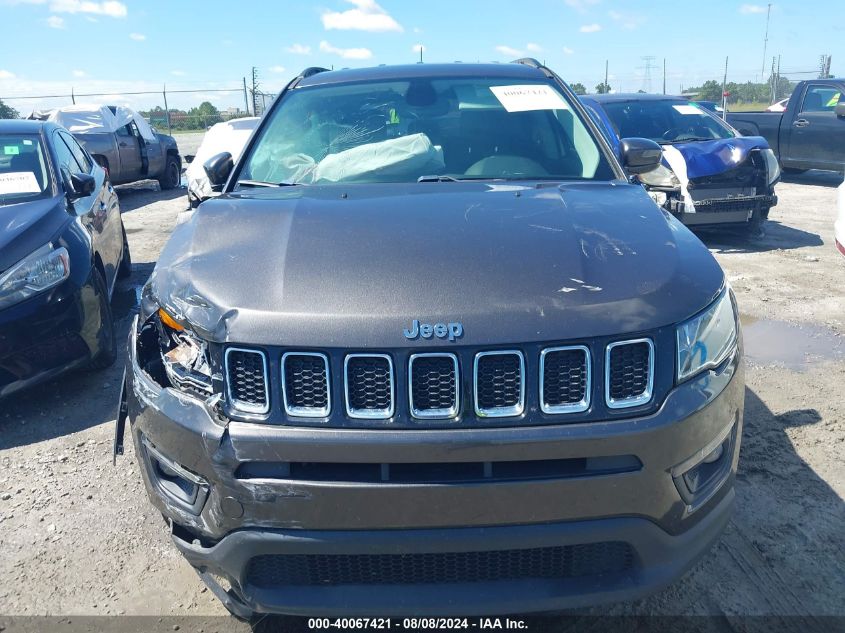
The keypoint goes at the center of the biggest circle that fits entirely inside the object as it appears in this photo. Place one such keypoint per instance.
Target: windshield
(23, 169)
(665, 121)
(405, 131)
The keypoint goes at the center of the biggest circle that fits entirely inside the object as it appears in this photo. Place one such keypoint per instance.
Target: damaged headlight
(44, 269)
(184, 356)
(707, 339)
(772, 166)
(662, 176)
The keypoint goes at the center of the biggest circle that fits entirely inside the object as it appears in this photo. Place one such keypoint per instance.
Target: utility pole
(664, 75)
(774, 80)
(166, 109)
(255, 85)
(606, 62)
(766, 41)
(777, 81)
(246, 100)
(724, 96)
(421, 52)
(648, 59)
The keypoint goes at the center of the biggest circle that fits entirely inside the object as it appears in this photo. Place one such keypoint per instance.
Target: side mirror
(840, 109)
(218, 168)
(81, 185)
(639, 155)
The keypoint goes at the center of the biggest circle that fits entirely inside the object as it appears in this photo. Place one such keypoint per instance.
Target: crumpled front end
(726, 181)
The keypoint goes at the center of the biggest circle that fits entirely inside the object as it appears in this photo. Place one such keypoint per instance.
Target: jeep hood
(352, 266)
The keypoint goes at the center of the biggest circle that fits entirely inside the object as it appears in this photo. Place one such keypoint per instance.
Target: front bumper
(47, 335)
(713, 211)
(241, 518)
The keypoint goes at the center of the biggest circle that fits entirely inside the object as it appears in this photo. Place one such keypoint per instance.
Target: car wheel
(125, 267)
(753, 229)
(107, 353)
(172, 175)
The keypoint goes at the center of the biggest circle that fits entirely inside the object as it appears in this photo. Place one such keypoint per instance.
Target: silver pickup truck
(121, 142)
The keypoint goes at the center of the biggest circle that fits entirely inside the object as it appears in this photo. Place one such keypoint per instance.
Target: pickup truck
(121, 142)
(810, 134)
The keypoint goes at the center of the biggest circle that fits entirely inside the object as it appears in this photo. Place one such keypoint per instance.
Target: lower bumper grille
(570, 561)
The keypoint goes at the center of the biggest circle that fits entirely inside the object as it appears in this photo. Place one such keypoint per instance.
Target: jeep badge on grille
(452, 331)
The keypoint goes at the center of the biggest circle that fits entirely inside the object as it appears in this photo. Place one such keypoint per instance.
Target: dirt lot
(77, 535)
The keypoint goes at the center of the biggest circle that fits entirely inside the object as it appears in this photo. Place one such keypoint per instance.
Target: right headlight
(661, 176)
(708, 338)
(41, 270)
(772, 166)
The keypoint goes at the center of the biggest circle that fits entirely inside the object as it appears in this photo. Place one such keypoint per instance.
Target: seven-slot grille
(246, 376)
(433, 385)
(369, 386)
(305, 384)
(565, 379)
(499, 384)
(630, 373)
(434, 382)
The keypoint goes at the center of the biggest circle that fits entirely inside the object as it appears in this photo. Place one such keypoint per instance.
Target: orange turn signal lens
(169, 321)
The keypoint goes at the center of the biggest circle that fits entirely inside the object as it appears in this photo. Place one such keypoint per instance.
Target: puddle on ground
(794, 346)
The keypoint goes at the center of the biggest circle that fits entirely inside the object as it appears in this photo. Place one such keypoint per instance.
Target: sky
(121, 46)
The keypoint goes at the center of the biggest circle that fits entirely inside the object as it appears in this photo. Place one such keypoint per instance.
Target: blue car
(709, 175)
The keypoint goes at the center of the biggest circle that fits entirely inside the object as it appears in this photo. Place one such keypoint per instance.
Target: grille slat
(499, 384)
(433, 385)
(568, 561)
(369, 386)
(305, 384)
(246, 379)
(565, 379)
(629, 373)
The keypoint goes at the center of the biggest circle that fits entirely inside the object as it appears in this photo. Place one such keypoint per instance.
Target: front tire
(106, 338)
(172, 175)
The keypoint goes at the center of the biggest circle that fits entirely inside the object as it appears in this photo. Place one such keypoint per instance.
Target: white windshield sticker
(19, 182)
(687, 109)
(529, 97)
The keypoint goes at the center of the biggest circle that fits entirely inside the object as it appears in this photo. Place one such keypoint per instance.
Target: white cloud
(346, 53)
(752, 8)
(366, 16)
(628, 21)
(581, 5)
(138, 37)
(6, 74)
(509, 51)
(277, 69)
(418, 48)
(111, 8)
(417, 29)
(299, 49)
(79, 73)
(534, 48)
(178, 73)
(590, 28)
(567, 50)
(55, 22)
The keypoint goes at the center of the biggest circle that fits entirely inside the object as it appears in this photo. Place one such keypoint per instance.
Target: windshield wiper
(262, 183)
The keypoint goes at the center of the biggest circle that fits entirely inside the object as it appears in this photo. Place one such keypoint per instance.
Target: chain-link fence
(167, 110)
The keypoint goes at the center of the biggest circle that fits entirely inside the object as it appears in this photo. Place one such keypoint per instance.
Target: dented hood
(331, 266)
(709, 158)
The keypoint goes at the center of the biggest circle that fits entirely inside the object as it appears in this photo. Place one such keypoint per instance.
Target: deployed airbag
(393, 157)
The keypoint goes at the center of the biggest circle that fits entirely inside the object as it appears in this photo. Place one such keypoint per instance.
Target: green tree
(603, 88)
(204, 115)
(579, 88)
(8, 112)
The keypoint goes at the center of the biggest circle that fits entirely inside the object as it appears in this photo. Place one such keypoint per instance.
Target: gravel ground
(78, 537)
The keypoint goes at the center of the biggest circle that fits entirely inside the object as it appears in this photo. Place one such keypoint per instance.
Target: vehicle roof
(635, 96)
(23, 126)
(427, 71)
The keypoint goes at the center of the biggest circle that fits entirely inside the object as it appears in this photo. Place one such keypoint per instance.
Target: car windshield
(407, 131)
(23, 169)
(665, 121)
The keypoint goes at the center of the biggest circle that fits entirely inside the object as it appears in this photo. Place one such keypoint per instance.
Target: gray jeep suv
(432, 352)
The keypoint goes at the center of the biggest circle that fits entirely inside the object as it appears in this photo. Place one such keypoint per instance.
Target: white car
(228, 136)
(780, 106)
(839, 225)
